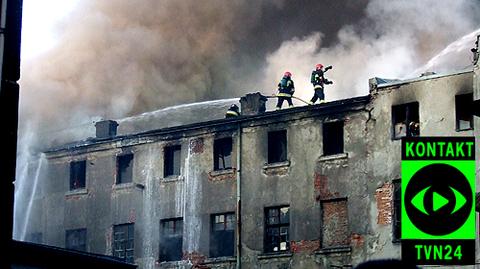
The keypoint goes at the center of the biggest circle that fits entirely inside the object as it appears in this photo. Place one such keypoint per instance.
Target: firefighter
(232, 112)
(318, 80)
(286, 89)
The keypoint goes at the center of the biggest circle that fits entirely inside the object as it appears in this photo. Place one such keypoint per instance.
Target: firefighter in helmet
(286, 89)
(232, 112)
(318, 80)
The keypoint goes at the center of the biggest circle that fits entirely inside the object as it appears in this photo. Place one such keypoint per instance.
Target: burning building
(306, 187)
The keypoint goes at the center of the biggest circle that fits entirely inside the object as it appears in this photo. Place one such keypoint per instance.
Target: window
(77, 175)
(332, 138)
(222, 237)
(124, 168)
(277, 222)
(123, 235)
(172, 161)
(171, 237)
(397, 195)
(335, 230)
(222, 153)
(277, 146)
(464, 111)
(76, 239)
(405, 120)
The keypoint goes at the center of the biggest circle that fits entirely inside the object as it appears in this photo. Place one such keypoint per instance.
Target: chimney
(106, 129)
(253, 104)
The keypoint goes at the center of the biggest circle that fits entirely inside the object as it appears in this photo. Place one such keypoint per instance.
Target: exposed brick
(384, 196)
(196, 145)
(357, 240)
(213, 176)
(304, 246)
(132, 216)
(195, 258)
(320, 185)
(276, 171)
(335, 223)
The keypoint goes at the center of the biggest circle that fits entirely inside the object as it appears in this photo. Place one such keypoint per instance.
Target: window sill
(463, 130)
(273, 255)
(333, 157)
(77, 192)
(129, 185)
(276, 169)
(170, 264)
(222, 172)
(228, 259)
(332, 250)
(276, 165)
(171, 179)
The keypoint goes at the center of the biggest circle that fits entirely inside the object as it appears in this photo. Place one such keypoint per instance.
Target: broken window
(396, 210)
(464, 111)
(222, 237)
(277, 223)
(172, 161)
(76, 239)
(332, 138)
(335, 222)
(123, 236)
(77, 175)
(171, 238)
(222, 153)
(405, 120)
(277, 146)
(124, 168)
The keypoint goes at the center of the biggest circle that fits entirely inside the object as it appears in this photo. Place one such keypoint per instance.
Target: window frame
(219, 146)
(169, 160)
(167, 238)
(129, 238)
(220, 249)
(272, 153)
(120, 160)
(415, 105)
(74, 174)
(270, 245)
(461, 104)
(333, 125)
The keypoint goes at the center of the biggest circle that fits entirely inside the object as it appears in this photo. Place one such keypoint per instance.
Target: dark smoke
(116, 58)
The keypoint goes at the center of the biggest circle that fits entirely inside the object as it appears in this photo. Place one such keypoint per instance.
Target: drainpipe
(238, 213)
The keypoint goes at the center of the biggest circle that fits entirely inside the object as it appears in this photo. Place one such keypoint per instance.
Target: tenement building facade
(307, 187)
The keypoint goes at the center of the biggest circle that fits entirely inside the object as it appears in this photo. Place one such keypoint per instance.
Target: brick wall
(383, 196)
(335, 223)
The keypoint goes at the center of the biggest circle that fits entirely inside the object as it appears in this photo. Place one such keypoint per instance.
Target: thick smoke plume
(117, 58)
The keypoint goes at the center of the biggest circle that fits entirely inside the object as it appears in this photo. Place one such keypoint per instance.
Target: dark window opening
(222, 153)
(464, 112)
(76, 239)
(222, 237)
(332, 138)
(171, 239)
(397, 196)
(77, 174)
(277, 146)
(123, 247)
(124, 168)
(172, 161)
(277, 223)
(405, 119)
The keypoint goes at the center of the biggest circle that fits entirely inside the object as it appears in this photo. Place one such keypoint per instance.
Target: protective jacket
(232, 112)
(318, 79)
(286, 88)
